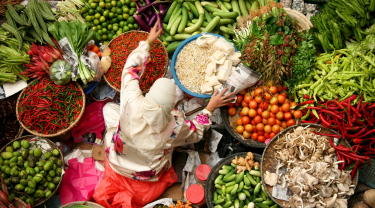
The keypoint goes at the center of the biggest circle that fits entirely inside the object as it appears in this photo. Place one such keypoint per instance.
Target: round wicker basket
(53, 146)
(60, 131)
(87, 203)
(18, 203)
(164, 48)
(301, 19)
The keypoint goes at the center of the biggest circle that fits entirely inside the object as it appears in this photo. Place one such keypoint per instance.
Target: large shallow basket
(174, 59)
(86, 203)
(60, 132)
(269, 162)
(301, 19)
(53, 146)
(210, 183)
(230, 125)
(125, 33)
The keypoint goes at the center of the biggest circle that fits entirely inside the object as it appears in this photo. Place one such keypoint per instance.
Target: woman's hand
(154, 33)
(218, 100)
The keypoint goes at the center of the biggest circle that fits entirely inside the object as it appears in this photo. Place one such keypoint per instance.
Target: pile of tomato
(265, 112)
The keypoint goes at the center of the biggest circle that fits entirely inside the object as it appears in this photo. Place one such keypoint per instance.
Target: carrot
(95, 49)
(99, 54)
(90, 47)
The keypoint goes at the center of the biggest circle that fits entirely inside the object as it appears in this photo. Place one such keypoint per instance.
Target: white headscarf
(158, 104)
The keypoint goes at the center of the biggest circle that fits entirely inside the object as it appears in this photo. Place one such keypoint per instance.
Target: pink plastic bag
(79, 181)
(92, 121)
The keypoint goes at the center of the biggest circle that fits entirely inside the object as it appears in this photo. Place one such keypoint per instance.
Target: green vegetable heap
(28, 173)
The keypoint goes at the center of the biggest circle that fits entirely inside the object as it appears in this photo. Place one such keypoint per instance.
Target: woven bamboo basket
(53, 146)
(301, 19)
(60, 132)
(87, 203)
(166, 59)
(18, 203)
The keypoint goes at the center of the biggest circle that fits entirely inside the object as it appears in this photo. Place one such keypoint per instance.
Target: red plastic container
(195, 194)
(202, 172)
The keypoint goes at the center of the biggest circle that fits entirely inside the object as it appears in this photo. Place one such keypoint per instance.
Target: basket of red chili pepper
(49, 110)
(122, 45)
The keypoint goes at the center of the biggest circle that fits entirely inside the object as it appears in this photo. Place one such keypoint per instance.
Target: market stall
(299, 131)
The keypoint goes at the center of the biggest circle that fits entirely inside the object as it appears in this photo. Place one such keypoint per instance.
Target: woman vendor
(142, 132)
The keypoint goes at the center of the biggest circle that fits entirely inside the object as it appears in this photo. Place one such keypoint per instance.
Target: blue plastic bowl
(174, 58)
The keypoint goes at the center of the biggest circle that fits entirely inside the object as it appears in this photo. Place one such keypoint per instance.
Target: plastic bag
(92, 121)
(106, 59)
(61, 72)
(116, 191)
(92, 61)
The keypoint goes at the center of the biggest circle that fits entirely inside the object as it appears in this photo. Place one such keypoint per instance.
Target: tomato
(273, 89)
(279, 89)
(267, 129)
(248, 127)
(245, 111)
(272, 115)
(292, 112)
(291, 122)
(248, 93)
(230, 105)
(244, 104)
(261, 138)
(260, 126)
(240, 129)
(275, 129)
(241, 114)
(239, 122)
(253, 123)
(253, 104)
(266, 114)
(272, 135)
(258, 92)
(245, 120)
(287, 116)
(281, 98)
(258, 99)
(252, 113)
(254, 136)
(275, 109)
(257, 119)
(274, 101)
(239, 98)
(270, 83)
(263, 105)
(281, 128)
(247, 98)
(278, 122)
(280, 115)
(283, 124)
(293, 104)
(237, 104)
(284, 94)
(243, 92)
(254, 128)
(287, 101)
(269, 108)
(267, 96)
(267, 135)
(271, 121)
(232, 111)
(259, 111)
(285, 107)
(264, 121)
(264, 88)
(298, 114)
(246, 134)
(260, 133)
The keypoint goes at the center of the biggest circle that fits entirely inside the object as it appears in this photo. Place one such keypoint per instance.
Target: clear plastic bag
(92, 61)
(61, 72)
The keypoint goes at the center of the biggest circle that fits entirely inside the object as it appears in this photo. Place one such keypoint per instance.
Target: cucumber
(219, 178)
(173, 46)
(234, 190)
(225, 166)
(222, 6)
(165, 28)
(170, 11)
(204, 3)
(255, 5)
(235, 6)
(190, 13)
(169, 38)
(226, 22)
(246, 180)
(215, 196)
(230, 15)
(241, 175)
(181, 36)
(174, 18)
(193, 9)
(243, 8)
(251, 179)
(196, 26)
(218, 186)
(262, 205)
(240, 187)
(225, 171)
(184, 20)
(220, 182)
(226, 205)
(230, 184)
(207, 15)
(219, 201)
(212, 25)
(228, 5)
(227, 198)
(248, 5)
(268, 202)
(212, 9)
(246, 193)
(199, 7)
(233, 165)
(195, 33)
(257, 189)
(175, 25)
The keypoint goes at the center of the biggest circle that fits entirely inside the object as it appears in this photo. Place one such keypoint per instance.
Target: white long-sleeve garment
(135, 148)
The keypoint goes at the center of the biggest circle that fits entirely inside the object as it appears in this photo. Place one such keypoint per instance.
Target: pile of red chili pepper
(46, 108)
(122, 46)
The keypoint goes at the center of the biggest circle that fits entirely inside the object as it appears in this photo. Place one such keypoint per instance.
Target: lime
(125, 10)
(110, 27)
(84, 10)
(104, 37)
(120, 17)
(110, 36)
(90, 2)
(95, 28)
(99, 9)
(106, 13)
(121, 24)
(115, 24)
(89, 25)
(91, 12)
(102, 5)
(119, 11)
(125, 23)
(127, 2)
(104, 30)
(134, 9)
(114, 3)
(132, 4)
(100, 32)
(131, 12)
(99, 27)
(119, 4)
(135, 26)
(104, 24)
(115, 27)
(102, 19)
(131, 20)
(119, 32)
(93, 5)
(125, 16)
(96, 22)
(130, 26)
(97, 16)
(96, 0)
(107, 1)
(85, 15)
(124, 6)
(88, 18)
(114, 10)
(114, 20)
(108, 5)
(111, 15)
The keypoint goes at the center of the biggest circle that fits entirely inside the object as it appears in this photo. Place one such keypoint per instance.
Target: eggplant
(144, 8)
(152, 19)
(158, 17)
(149, 13)
(141, 23)
(146, 17)
(161, 9)
(139, 4)
(147, 2)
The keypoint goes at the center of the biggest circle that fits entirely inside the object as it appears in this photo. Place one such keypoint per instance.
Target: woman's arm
(191, 131)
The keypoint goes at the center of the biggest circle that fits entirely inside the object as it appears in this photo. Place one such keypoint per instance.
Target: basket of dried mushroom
(303, 169)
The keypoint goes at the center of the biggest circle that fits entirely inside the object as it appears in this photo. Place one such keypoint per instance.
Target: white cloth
(142, 147)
